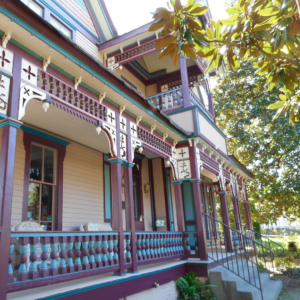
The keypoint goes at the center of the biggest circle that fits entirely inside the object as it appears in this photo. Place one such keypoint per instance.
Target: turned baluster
(87, 104)
(45, 81)
(97, 110)
(78, 265)
(76, 98)
(116, 249)
(71, 96)
(105, 114)
(85, 253)
(151, 246)
(144, 246)
(98, 251)
(167, 247)
(39, 77)
(187, 242)
(92, 107)
(196, 242)
(23, 244)
(110, 250)
(104, 250)
(11, 277)
(92, 252)
(58, 88)
(70, 243)
(158, 246)
(62, 268)
(53, 271)
(65, 92)
(128, 249)
(139, 247)
(81, 101)
(51, 85)
(44, 272)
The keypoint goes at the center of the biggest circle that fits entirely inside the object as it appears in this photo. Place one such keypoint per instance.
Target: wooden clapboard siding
(87, 46)
(146, 196)
(17, 201)
(159, 191)
(79, 13)
(83, 187)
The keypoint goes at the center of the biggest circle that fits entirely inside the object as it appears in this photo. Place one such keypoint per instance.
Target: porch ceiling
(65, 125)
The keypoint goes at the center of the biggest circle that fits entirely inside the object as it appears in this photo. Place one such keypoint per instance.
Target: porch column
(117, 222)
(248, 215)
(179, 204)
(184, 82)
(200, 222)
(225, 215)
(7, 166)
(211, 104)
(237, 214)
(129, 210)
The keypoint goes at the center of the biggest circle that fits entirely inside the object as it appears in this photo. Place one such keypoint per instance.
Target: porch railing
(243, 258)
(168, 100)
(42, 258)
(196, 101)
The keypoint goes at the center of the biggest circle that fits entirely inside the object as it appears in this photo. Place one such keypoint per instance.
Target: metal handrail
(261, 237)
(238, 247)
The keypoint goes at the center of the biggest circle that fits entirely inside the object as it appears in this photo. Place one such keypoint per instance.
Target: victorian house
(111, 162)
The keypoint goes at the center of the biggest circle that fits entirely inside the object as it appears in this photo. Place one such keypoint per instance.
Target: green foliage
(269, 149)
(264, 31)
(191, 288)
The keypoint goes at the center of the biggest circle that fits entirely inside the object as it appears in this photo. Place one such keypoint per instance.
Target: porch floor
(46, 292)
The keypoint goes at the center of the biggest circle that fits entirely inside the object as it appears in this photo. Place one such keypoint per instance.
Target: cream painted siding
(83, 187)
(87, 46)
(146, 196)
(151, 90)
(79, 13)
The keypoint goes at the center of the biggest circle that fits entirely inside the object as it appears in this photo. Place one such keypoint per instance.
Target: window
(34, 6)
(136, 192)
(67, 32)
(42, 185)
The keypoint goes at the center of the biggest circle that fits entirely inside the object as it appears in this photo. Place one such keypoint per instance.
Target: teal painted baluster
(70, 243)
(139, 246)
(110, 250)
(44, 272)
(85, 253)
(78, 266)
(151, 246)
(23, 243)
(162, 250)
(165, 251)
(128, 249)
(148, 246)
(92, 252)
(62, 268)
(116, 249)
(104, 250)
(98, 251)
(158, 245)
(144, 246)
(53, 271)
(187, 242)
(11, 277)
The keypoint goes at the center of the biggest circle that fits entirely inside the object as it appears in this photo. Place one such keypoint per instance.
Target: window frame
(28, 140)
(35, 4)
(62, 24)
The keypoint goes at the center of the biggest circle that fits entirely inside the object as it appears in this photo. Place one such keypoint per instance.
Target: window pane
(137, 198)
(25, 1)
(35, 8)
(46, 206)
(36, 163)
(33, 201)
(54, 23)
(49, 166)
(65, 31)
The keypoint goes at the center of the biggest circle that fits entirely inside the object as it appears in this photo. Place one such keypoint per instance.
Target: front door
(137, 196)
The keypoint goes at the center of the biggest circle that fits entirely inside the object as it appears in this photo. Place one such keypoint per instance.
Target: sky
(130, 14)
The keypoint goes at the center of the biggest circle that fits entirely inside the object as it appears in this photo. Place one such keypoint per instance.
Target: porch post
(7, 166)
(211, 104)
(117, 222)
(226, 221)
(179, 204)
(237, 215)
(184, 82)
(247, 209)
(200, 223)
(129, 210)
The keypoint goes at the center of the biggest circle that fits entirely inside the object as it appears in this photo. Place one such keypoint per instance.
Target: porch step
(230, 286)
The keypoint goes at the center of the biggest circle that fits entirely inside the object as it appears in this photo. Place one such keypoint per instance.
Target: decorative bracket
(138, 120)
(46, 63)
(121, 49)
(190, 142)
(122, 108)
(175, 143)
(138, 42)
(6, 38)
(77, 82)
(165, 136)
(102, 97)
(152, 128)
(197, 140)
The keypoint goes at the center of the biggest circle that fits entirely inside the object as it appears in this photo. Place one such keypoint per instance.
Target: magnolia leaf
(177, 5)
(295, 26)
(190, 2)
(162, 14)
(189, 52)
(218, 27)
(165, 42)
(167, 51)
(276, 105)
(176, 59)
(261, 27)
(282, 97)
(268, 12)
(209, 33)
(158, 25)
(199, 11)
(231, 11)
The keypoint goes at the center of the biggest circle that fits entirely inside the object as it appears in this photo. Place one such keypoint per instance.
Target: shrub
(191, 288)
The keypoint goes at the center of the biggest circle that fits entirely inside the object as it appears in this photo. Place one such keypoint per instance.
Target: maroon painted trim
(166, 194)
(200, 270)
(179, 207)
(28, 138)
(112, 26)
(108, 164)
(100, 36)
(242, 166)
(185, 82)
(153, 194)
(124, 37)
(158, 260)
(149, 148)
(30, 284)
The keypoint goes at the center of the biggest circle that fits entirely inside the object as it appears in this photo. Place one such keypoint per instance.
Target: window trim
(37, 4)
(63, 24)
(28, 139)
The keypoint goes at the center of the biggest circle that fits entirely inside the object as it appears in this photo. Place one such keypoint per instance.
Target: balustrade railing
(196, 101)
(43, 258)
(167, 100)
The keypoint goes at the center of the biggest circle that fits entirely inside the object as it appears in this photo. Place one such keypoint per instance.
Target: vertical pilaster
(117, 223)
(184, 82)
(179, 204)
(129, 210)
(237, 214)
(211, 105)
(248, 215)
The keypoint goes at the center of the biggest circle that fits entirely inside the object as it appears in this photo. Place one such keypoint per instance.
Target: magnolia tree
(265, 32)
